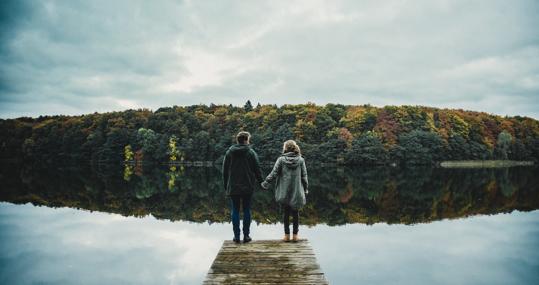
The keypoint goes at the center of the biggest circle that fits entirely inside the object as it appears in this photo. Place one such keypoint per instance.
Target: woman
(290, 175)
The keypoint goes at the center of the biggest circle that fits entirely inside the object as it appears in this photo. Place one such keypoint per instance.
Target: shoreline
(484, 163)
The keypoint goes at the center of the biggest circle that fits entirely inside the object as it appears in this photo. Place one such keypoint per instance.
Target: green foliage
(458, 148)
(421, 147)
(408, 134)
(248, 107)
(519, 151)
(367, 149)
(503, 145)
(148, 141)
(113, 149)
(532, 145)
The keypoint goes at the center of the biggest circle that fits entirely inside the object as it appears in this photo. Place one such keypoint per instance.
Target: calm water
(157, 225)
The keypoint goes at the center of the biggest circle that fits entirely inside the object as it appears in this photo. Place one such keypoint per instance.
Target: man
(241, 172)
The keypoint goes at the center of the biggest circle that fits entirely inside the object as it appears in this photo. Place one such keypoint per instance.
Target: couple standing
(241, 172)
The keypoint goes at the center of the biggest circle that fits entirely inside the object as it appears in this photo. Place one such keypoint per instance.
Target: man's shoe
(295, 238)
(247, 239)
(236, 240)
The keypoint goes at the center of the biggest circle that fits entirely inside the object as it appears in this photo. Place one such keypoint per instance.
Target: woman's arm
(304, 180)
(273, 174)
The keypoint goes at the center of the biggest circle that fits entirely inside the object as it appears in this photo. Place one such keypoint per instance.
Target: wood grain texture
(265, 262)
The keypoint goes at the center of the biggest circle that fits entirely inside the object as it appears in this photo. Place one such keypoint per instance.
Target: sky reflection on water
(41, 245)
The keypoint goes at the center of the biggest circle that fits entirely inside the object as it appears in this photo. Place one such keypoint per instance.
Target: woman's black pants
(286, 220)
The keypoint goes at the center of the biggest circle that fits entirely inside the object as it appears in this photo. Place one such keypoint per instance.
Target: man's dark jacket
(241, 170)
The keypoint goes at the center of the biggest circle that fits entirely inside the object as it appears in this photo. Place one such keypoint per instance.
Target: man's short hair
(243, 137)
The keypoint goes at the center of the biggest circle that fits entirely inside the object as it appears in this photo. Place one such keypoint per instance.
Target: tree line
(335, 133)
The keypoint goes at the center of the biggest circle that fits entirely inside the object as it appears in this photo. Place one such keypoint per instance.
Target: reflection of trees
(337, 195)
(128, 171)
(175, 173)
(505, 184)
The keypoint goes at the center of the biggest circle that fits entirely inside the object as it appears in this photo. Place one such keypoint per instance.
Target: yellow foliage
(128, 153)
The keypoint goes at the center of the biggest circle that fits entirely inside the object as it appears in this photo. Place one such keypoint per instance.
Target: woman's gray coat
(290, 175)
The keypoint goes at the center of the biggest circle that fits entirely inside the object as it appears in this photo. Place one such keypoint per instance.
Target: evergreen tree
(248, 107)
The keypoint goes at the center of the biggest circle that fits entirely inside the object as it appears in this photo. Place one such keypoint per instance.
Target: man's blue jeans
(245, 202)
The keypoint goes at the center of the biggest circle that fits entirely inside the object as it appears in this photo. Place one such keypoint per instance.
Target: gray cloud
(71, 57)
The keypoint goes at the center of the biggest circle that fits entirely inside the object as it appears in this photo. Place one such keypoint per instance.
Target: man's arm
(226, 169)
(257, 169)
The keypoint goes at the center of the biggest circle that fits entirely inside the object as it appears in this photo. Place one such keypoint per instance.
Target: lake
(164, 225)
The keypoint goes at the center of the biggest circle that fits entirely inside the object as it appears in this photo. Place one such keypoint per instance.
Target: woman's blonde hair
(291, 146)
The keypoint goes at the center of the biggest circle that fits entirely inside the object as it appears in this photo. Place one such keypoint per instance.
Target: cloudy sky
(76, 57)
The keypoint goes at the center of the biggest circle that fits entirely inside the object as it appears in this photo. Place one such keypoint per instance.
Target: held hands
(264, 185)
(306, 192)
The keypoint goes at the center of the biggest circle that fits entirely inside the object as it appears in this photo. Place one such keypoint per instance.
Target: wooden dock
(265, 262)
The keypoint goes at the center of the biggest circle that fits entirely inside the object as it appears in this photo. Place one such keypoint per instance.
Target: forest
(331, 133)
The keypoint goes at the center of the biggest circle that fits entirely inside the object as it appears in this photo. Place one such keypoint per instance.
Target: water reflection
(337, 195)
(42, 245)
(497, 249)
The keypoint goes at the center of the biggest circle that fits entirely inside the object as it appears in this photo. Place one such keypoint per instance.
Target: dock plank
(265, 262)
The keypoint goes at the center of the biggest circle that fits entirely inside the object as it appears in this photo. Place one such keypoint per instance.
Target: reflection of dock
(265, 262)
